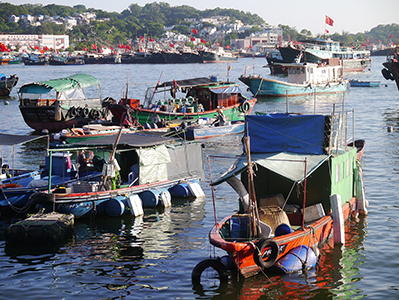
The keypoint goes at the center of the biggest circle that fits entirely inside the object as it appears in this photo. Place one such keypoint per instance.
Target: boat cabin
(329, 70)
(197, 94)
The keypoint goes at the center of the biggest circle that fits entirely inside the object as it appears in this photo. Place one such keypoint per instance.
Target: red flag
(327, 31)
(391, 36)
(250, 47)
(128, 47)
(142, 38)
(112, 48)
(227, 47)
(379, 40)
(192, 39)
(151, 39)
(84, 48)
(170, 44)
(36, 47)
(195, 31)
(203, 41)
(329, 21)
(94, 46)
(217, 44)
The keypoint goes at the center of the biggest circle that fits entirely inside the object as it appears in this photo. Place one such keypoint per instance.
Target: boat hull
(7, 84)
(357, 83)
(92, 204)
(393, 71)
(207, 131)
(143, 116)
(213, 57)
(313, 235)
(274, 88)
(43, 118)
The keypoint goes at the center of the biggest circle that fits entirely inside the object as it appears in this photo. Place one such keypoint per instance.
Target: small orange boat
(303, 183)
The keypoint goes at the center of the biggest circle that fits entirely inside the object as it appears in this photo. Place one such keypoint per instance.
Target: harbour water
(152, 257)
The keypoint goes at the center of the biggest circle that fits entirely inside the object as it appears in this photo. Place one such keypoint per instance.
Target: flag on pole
(329, 21)
(327, 31)
(195, 31)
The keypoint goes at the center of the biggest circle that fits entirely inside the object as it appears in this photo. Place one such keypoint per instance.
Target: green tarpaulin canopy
(61, 84)
(288, 165)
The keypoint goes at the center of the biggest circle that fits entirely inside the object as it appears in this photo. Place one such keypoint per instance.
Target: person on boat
(221, 118)
(111, 173)
(82, 160)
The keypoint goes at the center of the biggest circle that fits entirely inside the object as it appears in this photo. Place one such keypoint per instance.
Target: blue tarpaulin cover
(285, 132)
(226, 90)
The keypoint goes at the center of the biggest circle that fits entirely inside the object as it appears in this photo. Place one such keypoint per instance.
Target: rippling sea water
(152, 257)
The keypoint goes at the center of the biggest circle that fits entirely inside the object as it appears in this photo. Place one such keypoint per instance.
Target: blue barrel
(295, 260)
(153, 198)
(115, 207)
(282, 229)
(180, 190)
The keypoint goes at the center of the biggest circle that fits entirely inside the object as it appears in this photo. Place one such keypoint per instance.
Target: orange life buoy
(10, 186)
(77, 131)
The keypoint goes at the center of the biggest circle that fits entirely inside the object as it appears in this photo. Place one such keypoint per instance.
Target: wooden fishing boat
(199, 98)
(209, 130)
(137, 171)
(303, 79)
(273, 221)
(58, 104)
(7, 83)
(315, 50)
(359, 144)
(364, 83)
(16, 185)
(391, 69)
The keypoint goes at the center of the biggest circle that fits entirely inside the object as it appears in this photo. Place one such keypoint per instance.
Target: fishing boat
(299, 182)
(7, 83)
(17, 185)
(62, 103)
(303, 79)
(190, 99)
(364, 83)
(137, 171)
(98, 130)
(315, 50)
(35, 60)
(62, 60)
(206, 130)
(391, 69)
(216, 54)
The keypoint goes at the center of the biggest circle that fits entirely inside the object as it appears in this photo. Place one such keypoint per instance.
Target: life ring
(72, 112)
(245, 107)
(387, 74)
(209, 263)
(10, 186)
(77, 131)
(271, 259)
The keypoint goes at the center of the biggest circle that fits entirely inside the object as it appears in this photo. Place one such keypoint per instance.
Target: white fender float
(338, 219)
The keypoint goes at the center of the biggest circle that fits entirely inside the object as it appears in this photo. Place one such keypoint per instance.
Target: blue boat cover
(285, 133)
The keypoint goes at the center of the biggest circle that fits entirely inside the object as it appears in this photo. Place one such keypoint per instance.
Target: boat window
(337, 172)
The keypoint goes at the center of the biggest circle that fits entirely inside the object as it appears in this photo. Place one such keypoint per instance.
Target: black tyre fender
(85, 112)
(43, 198)
(260, 246)
(97, 114)
(72, 112)
(245, 107)
(209, 263)
(387, 74)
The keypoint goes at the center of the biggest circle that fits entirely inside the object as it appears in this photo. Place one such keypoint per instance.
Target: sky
(350, 16)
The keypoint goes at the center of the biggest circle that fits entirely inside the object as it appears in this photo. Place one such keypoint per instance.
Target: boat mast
(253, 211)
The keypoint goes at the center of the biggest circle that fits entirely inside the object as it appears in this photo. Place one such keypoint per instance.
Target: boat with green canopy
(57, 104)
